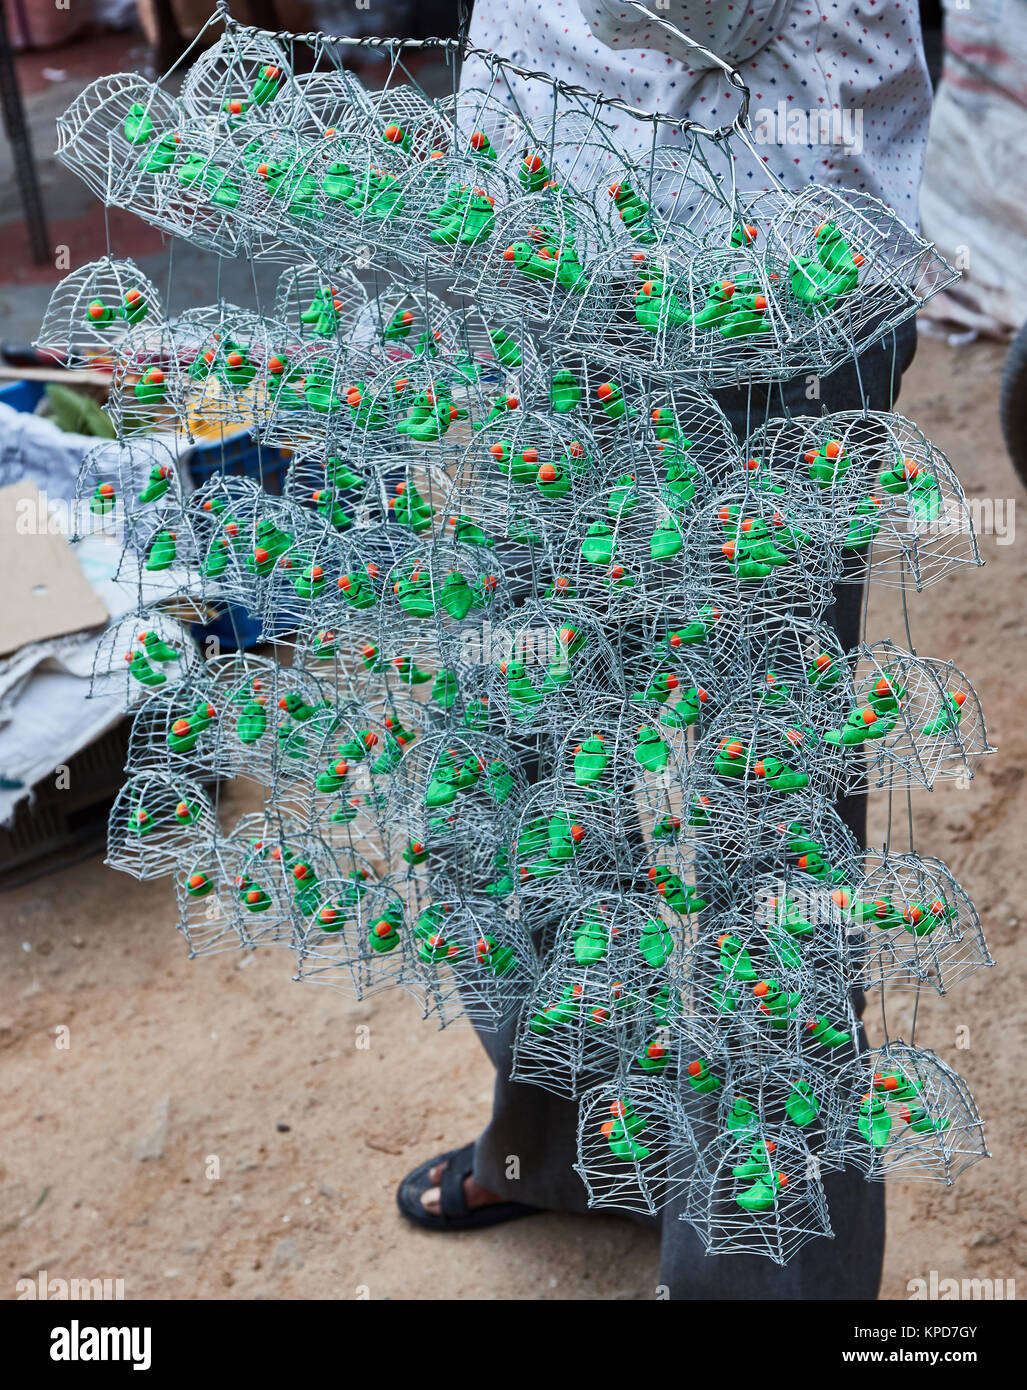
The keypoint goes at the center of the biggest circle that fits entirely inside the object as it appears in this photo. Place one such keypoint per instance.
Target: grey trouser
(539, 1129)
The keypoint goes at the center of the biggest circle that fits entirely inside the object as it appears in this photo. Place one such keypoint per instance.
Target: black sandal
(455, 1214)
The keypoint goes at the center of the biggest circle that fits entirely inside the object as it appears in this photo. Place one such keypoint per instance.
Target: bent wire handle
(615, 103)
(506, 65)
(732, 74)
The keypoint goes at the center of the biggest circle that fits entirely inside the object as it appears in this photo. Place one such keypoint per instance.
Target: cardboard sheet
(45, 594)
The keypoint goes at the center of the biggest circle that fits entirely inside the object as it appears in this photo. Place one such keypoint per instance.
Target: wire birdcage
(92, 309)
(910, 1116)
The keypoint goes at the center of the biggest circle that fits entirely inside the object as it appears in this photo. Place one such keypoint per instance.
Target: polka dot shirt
(839, 91)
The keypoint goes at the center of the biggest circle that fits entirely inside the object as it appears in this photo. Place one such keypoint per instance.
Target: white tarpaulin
(972, 203)
(45, 715)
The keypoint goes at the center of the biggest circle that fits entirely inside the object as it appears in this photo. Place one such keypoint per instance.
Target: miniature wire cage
(757, 1194)
(538, 262)
(752, 995)
(540, 664)
(435, 597)
(918, 923)
(281, 869)
(577, 148)
(521, 478)
(121, 482)
(686, 427)
(441, 209)
(635, 1149)
(785, 663)
(758, 768)
(626, 756)
(461, 789)
(910, 1116)
(401, 322)
(625, 549)
(717, 315)
(349, 762)
(302, 383)
(484, 128)
(259, 549)
(361, 561)
(598, 996)
(142, 653)
(189, 187)
(223, 356)
(222, 516)
(896, 499)
(310, 303)
(673, 196)
(917, 719)
(853, 268)
(243, 69)
(414, 408)
(272, 185)
(116, 135)
(752, 550)
(259, 705)
(345, 495)
(563, 845)
(158, 560)
(357, 939)
(476, 962)
(679, 311)
(791, 1095)
(149, 389)
(154, 821)
(92, 309)
(176, 735)
(286, 589)
(209, 916)
(328, 103)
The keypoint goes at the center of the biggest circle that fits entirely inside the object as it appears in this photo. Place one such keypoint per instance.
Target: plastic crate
(238, 456)
(59, 828)
(235, 629)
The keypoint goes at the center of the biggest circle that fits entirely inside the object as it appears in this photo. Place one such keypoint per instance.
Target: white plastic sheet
(971, 203)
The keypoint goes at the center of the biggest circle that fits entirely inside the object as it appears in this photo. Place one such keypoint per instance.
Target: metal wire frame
(405, 774)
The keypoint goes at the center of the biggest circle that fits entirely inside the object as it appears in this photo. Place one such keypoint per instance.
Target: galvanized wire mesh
(553, 724)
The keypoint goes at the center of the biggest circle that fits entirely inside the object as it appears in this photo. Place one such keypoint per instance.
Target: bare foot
(474, 1194)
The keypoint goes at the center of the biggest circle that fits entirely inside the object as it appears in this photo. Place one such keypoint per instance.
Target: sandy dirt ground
(177, 1069)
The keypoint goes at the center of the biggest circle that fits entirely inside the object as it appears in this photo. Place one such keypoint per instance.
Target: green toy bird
(590, 761)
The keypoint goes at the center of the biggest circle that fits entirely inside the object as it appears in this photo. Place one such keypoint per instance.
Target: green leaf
(76, 413)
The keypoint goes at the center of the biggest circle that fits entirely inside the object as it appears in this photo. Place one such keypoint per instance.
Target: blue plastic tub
(22, 395)
(237, 457)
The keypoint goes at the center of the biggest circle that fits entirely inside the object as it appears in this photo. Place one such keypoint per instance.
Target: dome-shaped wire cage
(539, 262)
(92, 309)
(141, 653)
(635, 1148)
(122, 482)
(155, 819)
(117, 136)
(757, 1194)
(917, 923)
(910, 1116)
(243, 71)
(895, 499)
